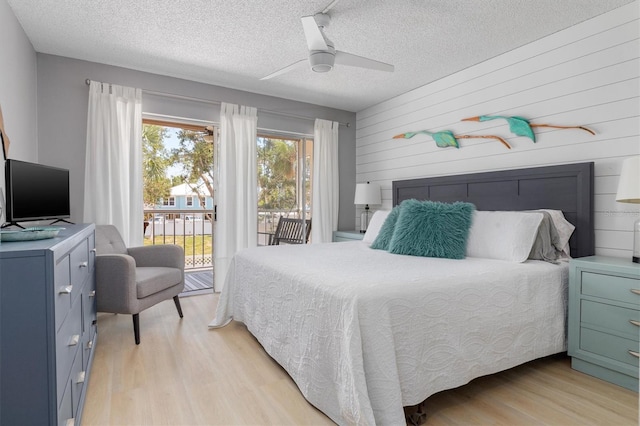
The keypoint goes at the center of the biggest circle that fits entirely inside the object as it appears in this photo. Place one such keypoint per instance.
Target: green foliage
(195, 154)
(277, 170)
(155, 160)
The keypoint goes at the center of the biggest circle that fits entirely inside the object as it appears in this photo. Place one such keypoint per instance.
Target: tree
(277, 160)
(155, 160)
(195, 154)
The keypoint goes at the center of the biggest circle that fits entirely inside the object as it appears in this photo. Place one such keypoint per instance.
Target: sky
(171, 142)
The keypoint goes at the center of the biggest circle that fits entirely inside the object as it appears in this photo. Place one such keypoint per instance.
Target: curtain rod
(213, 102)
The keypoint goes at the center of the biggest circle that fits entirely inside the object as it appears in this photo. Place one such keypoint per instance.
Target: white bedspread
(363, 332)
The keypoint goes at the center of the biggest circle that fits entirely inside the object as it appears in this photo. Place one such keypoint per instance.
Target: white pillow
(503, 235)
(375, 224)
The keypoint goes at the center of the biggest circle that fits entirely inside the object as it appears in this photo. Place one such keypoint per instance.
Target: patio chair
(130, 280)
(291, 231)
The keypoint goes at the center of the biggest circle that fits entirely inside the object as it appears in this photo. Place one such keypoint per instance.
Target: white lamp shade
(367, 193)
(629, 183)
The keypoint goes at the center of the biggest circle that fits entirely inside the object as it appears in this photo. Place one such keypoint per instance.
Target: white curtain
(237, 195)
(113, 166)
(326, 189)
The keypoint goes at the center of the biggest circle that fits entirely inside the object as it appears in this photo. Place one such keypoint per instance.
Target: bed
(364, 332)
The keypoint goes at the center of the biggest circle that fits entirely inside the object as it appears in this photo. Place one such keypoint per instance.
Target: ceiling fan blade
(298, 64)
(344, 58)
(315, 39)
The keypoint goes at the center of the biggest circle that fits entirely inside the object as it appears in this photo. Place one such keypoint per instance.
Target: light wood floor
(183, 373)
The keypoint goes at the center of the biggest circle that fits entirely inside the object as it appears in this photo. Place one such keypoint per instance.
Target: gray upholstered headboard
(566, 187)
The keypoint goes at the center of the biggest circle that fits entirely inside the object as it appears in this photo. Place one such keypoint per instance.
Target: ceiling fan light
(321, 68)
(321, 61)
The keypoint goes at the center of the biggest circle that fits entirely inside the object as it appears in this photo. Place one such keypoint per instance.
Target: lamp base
(364, 220)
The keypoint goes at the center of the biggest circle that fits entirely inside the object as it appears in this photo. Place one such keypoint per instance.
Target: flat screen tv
(35, 192)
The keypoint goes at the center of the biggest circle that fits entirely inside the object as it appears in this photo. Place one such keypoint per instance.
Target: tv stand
(61, 220)
(8, 224)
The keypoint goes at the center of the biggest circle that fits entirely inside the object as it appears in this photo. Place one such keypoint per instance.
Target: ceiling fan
(322, 53)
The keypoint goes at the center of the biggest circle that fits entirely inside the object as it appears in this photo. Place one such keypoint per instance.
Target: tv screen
(36, 192)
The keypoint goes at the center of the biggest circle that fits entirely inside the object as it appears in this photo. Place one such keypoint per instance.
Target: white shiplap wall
(588, 75)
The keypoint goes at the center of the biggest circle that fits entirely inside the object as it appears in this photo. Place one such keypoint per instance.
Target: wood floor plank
(184, 373)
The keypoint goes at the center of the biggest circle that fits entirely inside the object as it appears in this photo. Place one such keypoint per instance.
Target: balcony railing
(189, 228)
(193, 230)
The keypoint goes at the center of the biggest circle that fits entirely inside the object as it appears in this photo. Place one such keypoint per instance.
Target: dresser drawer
(65, 407)
(611, 318)
(68, 340)
(607, 345)
(89, 315)
(77, 382)
(92, 251)
(610, 287)
(62, 290)
(88, 343)
(79, 264)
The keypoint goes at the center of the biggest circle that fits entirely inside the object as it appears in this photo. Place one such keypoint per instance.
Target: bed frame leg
(415, 415)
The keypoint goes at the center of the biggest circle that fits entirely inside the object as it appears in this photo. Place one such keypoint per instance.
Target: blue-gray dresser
(47, 327)
(604, 318)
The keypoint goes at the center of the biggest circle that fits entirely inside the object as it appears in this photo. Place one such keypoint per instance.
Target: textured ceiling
(233, 43)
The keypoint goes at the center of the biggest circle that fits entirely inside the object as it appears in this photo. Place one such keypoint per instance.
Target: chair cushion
(151, 280)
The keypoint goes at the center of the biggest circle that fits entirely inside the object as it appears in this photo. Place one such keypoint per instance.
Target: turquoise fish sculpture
(446, 138)
(521, 126)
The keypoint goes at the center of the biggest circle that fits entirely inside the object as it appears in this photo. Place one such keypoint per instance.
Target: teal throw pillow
(432, 229)
(386, 231)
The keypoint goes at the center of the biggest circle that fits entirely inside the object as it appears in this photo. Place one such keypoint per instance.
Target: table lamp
(366, 193)
(629, 192)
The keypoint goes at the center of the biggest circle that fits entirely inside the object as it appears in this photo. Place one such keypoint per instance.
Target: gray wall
(18, 90)
(62, 117)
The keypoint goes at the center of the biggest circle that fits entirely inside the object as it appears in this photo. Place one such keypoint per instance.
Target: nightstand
(604, 318)
(342, 236)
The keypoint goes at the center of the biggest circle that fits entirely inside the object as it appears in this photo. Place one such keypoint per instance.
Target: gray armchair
(130, 280)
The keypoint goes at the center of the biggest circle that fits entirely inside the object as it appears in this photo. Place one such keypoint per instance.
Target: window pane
(284, 186)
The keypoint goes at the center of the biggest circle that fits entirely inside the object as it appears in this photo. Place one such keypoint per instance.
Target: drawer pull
(84, 264)
(70, 422)
(92, 293)
(92, 250)
(634, 322)
(65, 290)
(635, 291)
(634, 353)
(80, 377)
(89, 344)
(74, 340)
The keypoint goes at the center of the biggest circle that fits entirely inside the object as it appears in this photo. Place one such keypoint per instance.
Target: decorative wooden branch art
(446, 138)
(521, 126)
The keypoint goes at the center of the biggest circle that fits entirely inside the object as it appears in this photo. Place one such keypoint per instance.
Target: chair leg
(136, 327)
(176, 299)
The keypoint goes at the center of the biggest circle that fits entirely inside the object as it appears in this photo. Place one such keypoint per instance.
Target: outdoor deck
(198, 282)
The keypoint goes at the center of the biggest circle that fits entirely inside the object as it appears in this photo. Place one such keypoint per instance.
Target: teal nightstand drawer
(611, 318)
(610, 287)
(609, 346)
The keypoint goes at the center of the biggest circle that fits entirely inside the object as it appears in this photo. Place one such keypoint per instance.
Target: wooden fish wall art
(446, 138)
(521, 126)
